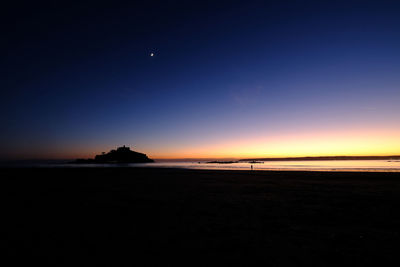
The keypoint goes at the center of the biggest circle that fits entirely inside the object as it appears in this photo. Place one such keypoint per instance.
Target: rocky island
(121, 155)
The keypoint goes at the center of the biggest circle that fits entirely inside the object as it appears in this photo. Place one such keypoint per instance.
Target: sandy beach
(171, 217)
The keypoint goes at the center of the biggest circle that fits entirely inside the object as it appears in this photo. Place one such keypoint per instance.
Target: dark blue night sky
(227, 79)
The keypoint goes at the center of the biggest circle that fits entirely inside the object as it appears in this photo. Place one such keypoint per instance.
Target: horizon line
(213, 158)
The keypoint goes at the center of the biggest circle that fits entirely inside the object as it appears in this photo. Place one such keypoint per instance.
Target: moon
(152, 54)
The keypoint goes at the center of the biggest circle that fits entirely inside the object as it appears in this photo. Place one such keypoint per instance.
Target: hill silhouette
(121, 155)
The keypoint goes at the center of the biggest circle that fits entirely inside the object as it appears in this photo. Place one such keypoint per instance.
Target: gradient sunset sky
(228, 79)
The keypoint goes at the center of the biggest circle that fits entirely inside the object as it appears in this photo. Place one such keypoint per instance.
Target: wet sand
(176, 217)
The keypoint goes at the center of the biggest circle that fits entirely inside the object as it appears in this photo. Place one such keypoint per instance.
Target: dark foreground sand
(169, 217)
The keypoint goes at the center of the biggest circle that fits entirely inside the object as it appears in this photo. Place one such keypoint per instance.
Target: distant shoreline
(326, 158)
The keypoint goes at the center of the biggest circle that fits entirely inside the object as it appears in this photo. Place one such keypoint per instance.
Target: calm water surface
(326, 165)
(320, 165)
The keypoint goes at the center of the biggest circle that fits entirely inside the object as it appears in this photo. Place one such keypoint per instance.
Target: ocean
(319, 165)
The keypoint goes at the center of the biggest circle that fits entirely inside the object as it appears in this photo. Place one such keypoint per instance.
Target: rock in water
(122, 155)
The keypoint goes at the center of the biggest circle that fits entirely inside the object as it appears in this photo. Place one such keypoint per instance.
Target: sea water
(318, 165)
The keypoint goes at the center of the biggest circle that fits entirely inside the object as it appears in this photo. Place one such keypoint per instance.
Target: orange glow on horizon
(358, 142)
(355, 143)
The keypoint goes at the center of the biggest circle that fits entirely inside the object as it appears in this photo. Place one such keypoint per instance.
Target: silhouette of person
(251, 166)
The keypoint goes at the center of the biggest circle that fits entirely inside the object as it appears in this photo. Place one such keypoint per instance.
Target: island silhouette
(120, 155)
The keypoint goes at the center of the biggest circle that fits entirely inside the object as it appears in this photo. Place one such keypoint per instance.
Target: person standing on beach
(251, 166)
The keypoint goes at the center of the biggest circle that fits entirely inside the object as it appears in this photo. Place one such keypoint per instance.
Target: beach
(180, 217)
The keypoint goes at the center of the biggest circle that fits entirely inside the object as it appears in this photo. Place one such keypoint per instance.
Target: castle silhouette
(121, 155)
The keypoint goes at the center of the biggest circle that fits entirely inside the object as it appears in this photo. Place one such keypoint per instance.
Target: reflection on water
(326, 165)
(321, 165)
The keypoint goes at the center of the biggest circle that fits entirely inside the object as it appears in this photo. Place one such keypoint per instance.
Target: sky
(228, 78)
